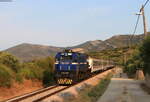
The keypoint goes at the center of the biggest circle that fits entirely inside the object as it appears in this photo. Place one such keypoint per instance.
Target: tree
(9, 60)
(145, 54)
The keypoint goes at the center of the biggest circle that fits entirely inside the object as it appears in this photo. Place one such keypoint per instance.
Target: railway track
(39, 95)
(25, 96)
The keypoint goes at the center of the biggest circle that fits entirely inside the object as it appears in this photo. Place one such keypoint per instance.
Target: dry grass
(92, 94)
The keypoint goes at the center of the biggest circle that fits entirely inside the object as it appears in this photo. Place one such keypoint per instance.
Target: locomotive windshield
(65, 57)
(71, 57)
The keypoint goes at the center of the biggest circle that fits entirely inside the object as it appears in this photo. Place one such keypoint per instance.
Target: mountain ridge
(26, 51)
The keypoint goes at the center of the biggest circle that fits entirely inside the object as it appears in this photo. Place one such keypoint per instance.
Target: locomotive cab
(70, 66)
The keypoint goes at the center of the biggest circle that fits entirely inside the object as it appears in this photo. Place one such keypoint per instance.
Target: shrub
(45, 63)
(145, 54)
(19, 78)
(131, 69)
(6, 76)
(9, 60)
(48, 77)
(31, 71)
(133, 63)
(12, 69)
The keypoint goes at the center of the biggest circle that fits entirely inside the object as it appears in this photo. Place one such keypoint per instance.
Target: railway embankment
(19, 89)
(74, 92)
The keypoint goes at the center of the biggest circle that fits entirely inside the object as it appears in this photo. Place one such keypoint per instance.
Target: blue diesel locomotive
(71, 67)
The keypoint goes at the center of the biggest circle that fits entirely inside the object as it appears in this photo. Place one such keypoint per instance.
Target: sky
(65, 23)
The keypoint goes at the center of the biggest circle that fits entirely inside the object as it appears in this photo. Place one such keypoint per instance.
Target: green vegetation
(31, 71)
(48, 78)
(132, 64)
(132, 58)
(11, 70)
(145, 54)
(6, 76)
(9, 60)
(140, 59)
(91, 94)
(98, 91)
(118, 55)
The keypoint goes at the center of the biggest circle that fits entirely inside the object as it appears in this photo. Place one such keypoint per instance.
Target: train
(72, 67)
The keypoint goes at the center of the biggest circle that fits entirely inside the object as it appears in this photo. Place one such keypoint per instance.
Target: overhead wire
(146, 3)
(136, 25)
(135, 28)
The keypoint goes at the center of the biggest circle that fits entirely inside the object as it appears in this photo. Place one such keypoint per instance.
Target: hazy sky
(66, 22)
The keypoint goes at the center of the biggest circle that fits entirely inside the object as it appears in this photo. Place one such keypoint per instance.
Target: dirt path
(124, 90)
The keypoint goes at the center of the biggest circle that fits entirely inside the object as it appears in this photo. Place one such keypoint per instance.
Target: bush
(9, 60)
(131, 69)
(19, 78)
(6, 76)
(145, 54)
(12, 69)
(45, 63)
(48, 77)
(133, 63)
(31, 71)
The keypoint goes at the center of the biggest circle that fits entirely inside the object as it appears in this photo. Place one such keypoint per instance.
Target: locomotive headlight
(56, 62)
(69, 54)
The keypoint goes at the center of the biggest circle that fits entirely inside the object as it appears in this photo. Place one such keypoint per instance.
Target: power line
(138, 18)
(135, 28)
(136, 25)
(143, 6)
(146, 3)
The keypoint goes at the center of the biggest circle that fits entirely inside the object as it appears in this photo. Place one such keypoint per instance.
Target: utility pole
(139, 72)
(125, 58)
(144, 21)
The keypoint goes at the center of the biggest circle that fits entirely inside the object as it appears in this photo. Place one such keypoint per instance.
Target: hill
(94, 46)
(111, 43)
(124, 40)
(28, 52)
